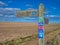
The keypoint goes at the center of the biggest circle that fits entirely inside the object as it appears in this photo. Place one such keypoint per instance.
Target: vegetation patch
(19, 41)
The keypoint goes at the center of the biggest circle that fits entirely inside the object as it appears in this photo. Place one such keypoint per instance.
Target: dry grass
(51, 31)
(11, 31)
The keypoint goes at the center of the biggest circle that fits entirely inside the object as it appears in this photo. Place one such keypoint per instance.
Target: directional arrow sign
(40, 35)
(41, 27)
(40, 31)
(40, 24)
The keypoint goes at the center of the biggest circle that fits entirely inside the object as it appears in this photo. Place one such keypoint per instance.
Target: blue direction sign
(40, 31)
(41, 19)
(41, 27)
(40, 35)
(40, 24)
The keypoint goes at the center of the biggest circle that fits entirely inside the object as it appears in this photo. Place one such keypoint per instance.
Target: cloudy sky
(52, 7)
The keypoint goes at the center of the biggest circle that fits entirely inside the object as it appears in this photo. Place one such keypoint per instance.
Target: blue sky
(52, 7)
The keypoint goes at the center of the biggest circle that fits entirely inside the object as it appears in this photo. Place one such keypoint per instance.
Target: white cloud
(51, 15)
(31, 9)
(47, 15)
(50, 11)
(10, 1)
(1, 14)
(12, 9)
(1, 9)
(9, 16)
(8, 8)
(2, 3)
(28, 5)
(54, 8)
(17, 9)
(54, 16)
(46, 12)
(8, 12)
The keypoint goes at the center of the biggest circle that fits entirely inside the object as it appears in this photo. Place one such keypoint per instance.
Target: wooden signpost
(41, 25)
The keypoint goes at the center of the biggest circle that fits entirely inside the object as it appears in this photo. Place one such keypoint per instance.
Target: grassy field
(26, 34)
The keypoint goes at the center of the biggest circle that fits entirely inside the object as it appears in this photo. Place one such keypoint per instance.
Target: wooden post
(41, 21)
